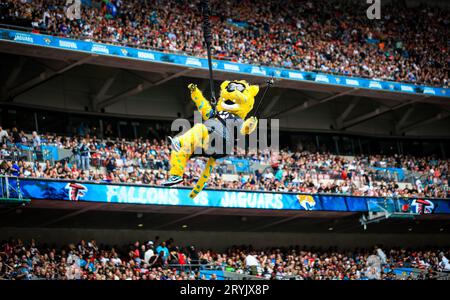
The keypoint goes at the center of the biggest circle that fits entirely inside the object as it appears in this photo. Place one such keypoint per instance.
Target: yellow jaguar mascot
(235, 102)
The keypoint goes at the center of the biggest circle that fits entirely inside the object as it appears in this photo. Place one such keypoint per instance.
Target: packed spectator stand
(144, 161)
(408, 44)
(165, 260)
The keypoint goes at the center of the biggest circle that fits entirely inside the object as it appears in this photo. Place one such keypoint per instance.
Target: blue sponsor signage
(38, 189)
(226, 66)
(241, 165)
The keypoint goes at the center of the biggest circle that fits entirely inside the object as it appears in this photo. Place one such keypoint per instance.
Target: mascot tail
(203, 178)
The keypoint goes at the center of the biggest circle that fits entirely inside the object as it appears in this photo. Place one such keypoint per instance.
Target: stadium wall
(221, 240)
(71, 93)
(172, 100)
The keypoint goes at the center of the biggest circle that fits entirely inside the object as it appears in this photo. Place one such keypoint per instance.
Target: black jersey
(220, 126)
(225, 115)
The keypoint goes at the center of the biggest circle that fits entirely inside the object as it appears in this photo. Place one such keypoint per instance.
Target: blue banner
(49, 152)
(225, 66)
(399, 171)
(241, 165)
(150, 195)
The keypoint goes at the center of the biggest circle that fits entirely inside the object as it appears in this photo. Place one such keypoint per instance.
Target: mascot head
(237, 97)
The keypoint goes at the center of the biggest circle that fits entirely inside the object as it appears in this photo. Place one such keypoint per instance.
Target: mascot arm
(202, 104)
(249, 125)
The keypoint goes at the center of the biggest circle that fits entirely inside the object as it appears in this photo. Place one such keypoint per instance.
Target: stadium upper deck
(121, 80)
(328, 36)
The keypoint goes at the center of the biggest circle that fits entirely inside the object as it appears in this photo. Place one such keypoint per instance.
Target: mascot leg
(203, 178)
(178, 160)
(192, 139)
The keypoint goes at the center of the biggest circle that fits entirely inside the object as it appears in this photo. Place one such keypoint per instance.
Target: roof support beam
(311, 103)
(12, 78)
(377, 112)
(43, 77)
(144, 85)
(73, 214)
(346, 113)
(103, 90)
(14, 73)
(374, 113)
(272, 103)
(205, 211)
(275, 223)
(403, 120)
(105, 87)
(438, 117)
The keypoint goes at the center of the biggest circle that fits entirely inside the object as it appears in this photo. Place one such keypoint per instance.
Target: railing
(11, 193)
(417, 274)
(401, 274)
(225, 275)
(375, 174)
(443, 276)
(21, 151)
(195, 267)
(107, 42)
(18, 152)
(237, 276)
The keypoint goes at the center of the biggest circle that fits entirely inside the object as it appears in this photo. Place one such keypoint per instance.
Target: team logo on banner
(47, 40)
(306, 201)
(76, 191)
(124, 51)
(422, 206)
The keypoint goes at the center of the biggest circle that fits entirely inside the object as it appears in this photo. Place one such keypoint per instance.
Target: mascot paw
(249, 125)
(192, 87)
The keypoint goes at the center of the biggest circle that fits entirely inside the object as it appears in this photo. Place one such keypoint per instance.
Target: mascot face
(237, 97)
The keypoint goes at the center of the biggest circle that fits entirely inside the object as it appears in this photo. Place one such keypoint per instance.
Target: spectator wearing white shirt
(149, 253)
(373, 266)
(116, 260)
(4, 153)
(419, 185)
(268, 174)
(36, 141)
(3, 136)
(444, 263)
(381, 255)
(252, 263)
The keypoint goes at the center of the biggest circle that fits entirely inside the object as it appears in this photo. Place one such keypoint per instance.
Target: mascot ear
(224, 84)
(254, 89)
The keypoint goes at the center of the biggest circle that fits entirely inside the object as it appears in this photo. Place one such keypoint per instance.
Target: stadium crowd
(408, 44)
(164, 260)
(145, 161)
